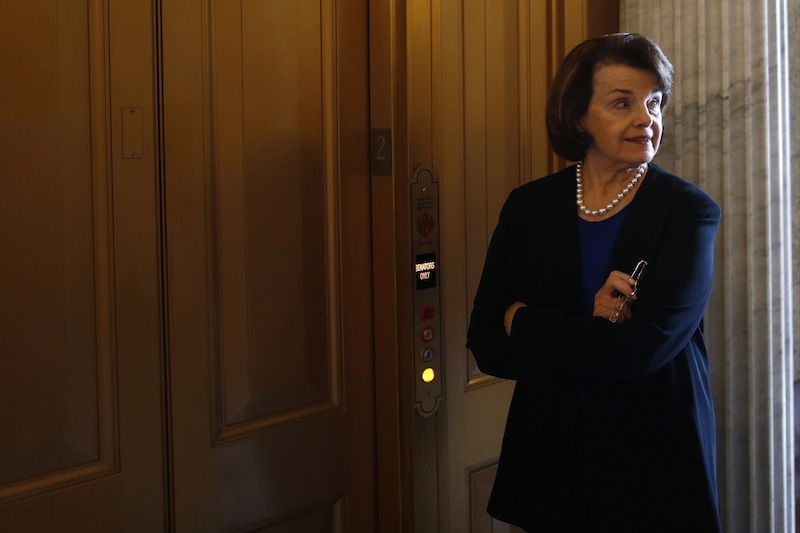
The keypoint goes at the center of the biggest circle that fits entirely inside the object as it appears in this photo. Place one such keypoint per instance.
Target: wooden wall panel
(57, 385)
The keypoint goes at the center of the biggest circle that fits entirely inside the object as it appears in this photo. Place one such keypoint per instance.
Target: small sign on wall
(381, 150)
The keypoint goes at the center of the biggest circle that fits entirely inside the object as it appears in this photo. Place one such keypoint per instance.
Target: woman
(611, 427)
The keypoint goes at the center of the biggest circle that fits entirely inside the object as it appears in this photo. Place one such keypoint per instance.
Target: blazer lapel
(636, 239)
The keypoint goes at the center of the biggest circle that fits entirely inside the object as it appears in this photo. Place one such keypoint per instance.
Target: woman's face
(624, 117)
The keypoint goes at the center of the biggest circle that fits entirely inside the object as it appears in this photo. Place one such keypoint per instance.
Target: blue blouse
(597, 240)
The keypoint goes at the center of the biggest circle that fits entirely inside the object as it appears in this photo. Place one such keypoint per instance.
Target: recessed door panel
(52, 340)
(273, 282)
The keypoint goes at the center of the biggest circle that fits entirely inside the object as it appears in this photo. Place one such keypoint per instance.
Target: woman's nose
(644, 116)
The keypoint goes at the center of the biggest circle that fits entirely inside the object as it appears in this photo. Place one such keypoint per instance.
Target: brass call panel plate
(428, 376)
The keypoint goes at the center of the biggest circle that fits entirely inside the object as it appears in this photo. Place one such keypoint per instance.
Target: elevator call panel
(428, 376)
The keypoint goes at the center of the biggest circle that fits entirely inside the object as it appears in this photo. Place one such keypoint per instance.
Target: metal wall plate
(428, 367)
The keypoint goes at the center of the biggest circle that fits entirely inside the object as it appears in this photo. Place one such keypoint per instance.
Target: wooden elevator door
(81, 389)
(266, 173)
(186, 270)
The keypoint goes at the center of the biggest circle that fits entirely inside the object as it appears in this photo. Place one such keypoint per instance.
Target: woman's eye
(655, 103)
(621, 104)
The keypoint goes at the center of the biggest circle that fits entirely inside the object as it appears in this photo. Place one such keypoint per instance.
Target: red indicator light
(427, 313)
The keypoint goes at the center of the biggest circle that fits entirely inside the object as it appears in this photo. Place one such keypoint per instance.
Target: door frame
(391, 290)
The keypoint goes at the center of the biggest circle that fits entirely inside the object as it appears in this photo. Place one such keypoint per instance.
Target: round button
(426, 334)
(427, 313)
(426, 355)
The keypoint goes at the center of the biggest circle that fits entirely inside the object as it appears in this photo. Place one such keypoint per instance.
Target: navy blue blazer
(611, 426)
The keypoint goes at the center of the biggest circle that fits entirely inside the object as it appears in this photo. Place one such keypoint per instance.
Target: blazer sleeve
(486, 337)
(668, 313)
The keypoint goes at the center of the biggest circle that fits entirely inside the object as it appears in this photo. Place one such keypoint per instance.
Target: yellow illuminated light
(428, 375)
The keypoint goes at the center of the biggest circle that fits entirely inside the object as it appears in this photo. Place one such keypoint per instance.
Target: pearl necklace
(603, 210)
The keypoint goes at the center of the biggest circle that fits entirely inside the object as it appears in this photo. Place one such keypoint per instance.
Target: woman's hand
(509, 316)
(613, 300)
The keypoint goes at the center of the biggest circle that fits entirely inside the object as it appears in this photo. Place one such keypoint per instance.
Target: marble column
(732, 128)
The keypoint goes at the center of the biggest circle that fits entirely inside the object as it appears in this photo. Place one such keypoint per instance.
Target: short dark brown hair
(572, 87)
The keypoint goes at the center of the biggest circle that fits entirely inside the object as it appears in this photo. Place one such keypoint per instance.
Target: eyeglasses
(622, 300)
